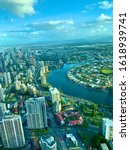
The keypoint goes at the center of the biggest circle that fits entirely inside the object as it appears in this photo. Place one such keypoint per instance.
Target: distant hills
(90, 40)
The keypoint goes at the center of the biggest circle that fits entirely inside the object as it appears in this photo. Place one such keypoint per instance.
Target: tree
(95, 106)
(72, 102)
(94, 114)
(97, 140)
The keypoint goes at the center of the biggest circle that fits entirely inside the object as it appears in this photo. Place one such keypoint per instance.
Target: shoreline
(71, 77)
(83, 88)
(84, 100)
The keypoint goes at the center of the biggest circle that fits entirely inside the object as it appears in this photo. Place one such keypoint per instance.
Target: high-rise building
(43, 80)
(17, 84)
(42, 71)
(42, 64)
(29, 75)
(32, 89)
(46, 69)
(107, 128)
(54, 94)
(48, 143)
(2, 96)
(23, 88)
(57, 106)
(55, 98)
(7, 78)
(36, 113)
(2, 109)
(11, 131)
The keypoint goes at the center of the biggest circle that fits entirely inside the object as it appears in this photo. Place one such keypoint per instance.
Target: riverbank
(92, 76)
(57, 78)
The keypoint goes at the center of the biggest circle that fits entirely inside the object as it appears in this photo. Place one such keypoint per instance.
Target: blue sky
(34, 21)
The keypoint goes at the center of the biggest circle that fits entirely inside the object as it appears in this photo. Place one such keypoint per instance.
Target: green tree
(95, 106)
(94, 114)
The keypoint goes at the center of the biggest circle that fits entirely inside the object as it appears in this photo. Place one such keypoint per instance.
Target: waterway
(58, 78)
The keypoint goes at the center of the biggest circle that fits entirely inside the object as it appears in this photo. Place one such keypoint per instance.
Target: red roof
(74, 122)
(60, 117)
(78, 116)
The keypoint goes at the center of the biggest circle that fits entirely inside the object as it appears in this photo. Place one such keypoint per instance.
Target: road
(60, 132)
(60, 144)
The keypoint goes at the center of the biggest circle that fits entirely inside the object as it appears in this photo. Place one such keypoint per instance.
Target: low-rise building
(48, 143)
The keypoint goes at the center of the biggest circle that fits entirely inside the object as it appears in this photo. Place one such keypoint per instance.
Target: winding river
(58, 78)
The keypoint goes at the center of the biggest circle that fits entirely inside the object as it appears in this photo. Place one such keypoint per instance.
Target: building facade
(107, 128)
(2, 96)
(11, 131)
(36, 113)
(2, 109)
(56, 99)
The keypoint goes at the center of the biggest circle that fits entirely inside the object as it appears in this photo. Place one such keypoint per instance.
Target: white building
(36, 113)
(56, 99)
(32, 89)
(72, 138)
(2, 109)
(42, 71)
(46, 69)
(56, 107)
(48, 144)
(107, 128)
(11, 131)
(5, 78)
(29, 75)
(43, 80)
(54, 94)
(104, 146)
(9, 78)
(42, 64)
(17, 84)
(2, 96)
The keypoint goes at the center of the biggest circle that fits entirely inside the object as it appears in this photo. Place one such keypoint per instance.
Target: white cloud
(105, 4)
(102, 4)
(103, 17)
(51, 25)
(18, 7)
(57, 22)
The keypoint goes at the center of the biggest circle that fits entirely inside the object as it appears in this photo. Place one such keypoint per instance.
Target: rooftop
(104, 146)
(53, 90)
(108, 121)
(49, 141)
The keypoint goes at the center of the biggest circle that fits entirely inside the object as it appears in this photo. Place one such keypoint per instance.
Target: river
(58, 78)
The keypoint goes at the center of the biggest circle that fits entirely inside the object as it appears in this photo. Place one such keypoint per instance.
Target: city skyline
(35, 108)
(40, 21)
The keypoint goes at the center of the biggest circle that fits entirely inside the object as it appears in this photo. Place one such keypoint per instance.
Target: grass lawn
(87, 137)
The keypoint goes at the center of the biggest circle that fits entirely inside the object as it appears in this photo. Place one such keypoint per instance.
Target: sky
(37, 21)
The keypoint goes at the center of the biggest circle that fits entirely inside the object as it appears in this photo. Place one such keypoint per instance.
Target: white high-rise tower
(11, 131)
(36, 113)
